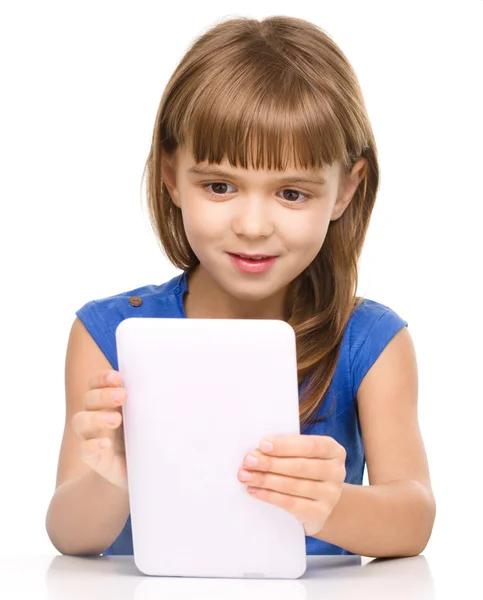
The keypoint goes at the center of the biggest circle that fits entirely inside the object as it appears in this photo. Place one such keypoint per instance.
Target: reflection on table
(334, 577)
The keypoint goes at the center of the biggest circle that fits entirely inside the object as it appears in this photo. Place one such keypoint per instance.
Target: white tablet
(201, 393)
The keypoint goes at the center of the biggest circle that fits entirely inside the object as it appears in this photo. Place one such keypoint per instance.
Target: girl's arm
(394, 515)
(86, 515)
(87, 512)
(392, 519)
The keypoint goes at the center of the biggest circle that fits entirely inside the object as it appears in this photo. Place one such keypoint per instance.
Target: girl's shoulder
(369, 312)
(102, 316)
(371, 327)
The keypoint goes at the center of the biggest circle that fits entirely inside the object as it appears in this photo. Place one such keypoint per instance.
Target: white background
(81, 86)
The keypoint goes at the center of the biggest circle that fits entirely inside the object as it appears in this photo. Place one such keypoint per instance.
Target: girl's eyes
(218, 183)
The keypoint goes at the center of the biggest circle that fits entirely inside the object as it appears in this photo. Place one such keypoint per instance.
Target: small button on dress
(135, 301)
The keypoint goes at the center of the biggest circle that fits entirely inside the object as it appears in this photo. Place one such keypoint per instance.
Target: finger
(92, 424)
(307, 446)
(103, 379)
(303, 488)
(104, 398)
(307, 468)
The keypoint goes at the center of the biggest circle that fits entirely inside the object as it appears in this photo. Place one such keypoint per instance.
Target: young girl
(262, 147)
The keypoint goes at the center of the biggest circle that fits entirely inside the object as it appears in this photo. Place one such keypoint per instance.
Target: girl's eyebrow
(213, 171)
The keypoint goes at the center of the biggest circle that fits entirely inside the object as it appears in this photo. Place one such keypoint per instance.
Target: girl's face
(243, 211)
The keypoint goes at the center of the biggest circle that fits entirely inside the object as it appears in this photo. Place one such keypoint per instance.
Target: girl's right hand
(100, 428)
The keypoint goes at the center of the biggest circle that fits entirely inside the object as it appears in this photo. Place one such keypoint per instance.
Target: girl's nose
(253, 219)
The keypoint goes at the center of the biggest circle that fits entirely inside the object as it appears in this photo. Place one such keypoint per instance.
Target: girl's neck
(204, 299)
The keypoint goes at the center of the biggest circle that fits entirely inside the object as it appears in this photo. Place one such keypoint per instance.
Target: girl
(261, 180)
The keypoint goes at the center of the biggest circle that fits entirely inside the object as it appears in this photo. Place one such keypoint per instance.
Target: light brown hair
(275, 93)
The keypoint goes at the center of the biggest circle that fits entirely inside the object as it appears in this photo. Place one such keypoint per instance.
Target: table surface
(60, 577)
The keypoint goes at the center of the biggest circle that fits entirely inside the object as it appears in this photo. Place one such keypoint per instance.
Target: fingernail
(266, 446)
(245, 475)
(251, 461)
(117, 396)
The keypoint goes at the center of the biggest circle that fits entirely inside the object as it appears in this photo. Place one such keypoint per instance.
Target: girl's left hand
(303, 474)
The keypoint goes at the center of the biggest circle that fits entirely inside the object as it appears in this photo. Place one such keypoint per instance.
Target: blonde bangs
(265, 119)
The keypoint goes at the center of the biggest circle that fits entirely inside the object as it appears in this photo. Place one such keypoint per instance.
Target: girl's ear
(168, 175)
(348, 187)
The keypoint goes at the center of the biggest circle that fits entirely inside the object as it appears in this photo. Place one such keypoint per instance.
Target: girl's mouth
(250, 265)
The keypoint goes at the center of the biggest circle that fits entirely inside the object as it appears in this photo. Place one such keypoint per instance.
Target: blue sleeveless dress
(371, 326)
